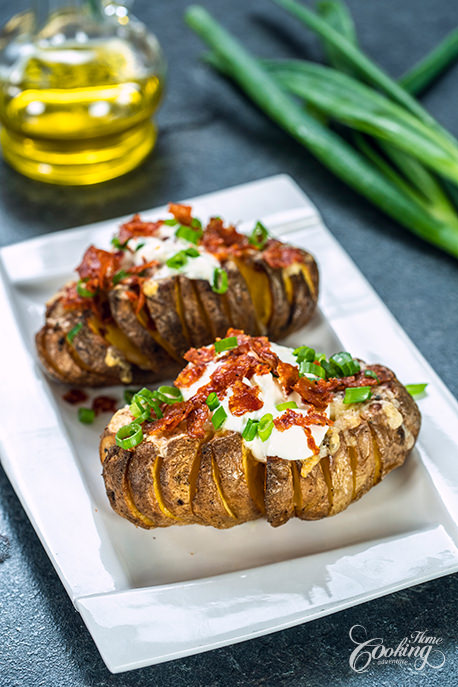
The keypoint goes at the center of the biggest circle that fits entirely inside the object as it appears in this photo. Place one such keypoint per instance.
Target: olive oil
(78, 113)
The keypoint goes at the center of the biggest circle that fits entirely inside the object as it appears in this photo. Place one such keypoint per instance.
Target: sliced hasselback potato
(285, 442)
(167, 286)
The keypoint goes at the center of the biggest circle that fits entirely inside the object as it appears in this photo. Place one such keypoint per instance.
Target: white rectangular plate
(151, 596)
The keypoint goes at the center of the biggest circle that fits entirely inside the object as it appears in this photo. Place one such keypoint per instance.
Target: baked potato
(167, 286)
(252, 429)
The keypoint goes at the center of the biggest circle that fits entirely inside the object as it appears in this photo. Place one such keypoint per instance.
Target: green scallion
(119, 276)
(86, 415)
(172, 222)
(129, 436)
(139, 245)
(140, 409)
(74, 331)
(177, 261)
(357, 394)
(220, 280)
(117, 243)
(306, 368)
(265, 426)
(169, 394)
(250, 430)
(225, 344)
(212, 401)
(188, 234)
(371, 373)
(416, 389)
(286, 406)
(304, 354)
(259, 236)
(82, 291)
(218, 417)
(196, 223)
(192, 252)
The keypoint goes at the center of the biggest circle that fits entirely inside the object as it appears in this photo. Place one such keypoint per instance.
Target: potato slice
(163, 303)
(143, 484)
(207, 504)
(214, 307)
(314, 494)
(341, 478)
(278, 321)
(178, 473)
(241, 309)
(279, 491)
(362, 458)
(115, 469)
(138, 329)
(196, 321)
(228, 456)
(302, 301)
(257, 282)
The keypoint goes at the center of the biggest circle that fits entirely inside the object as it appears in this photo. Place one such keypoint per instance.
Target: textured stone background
(212, 138)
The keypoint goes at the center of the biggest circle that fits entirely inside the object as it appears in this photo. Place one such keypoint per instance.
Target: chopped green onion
(117, 243)
(84, 293)
(140, 409)
(150, 398)
(128, 395)
(212, 401)
(220, 280)
(169, 394)
(357, 394)
(371, 373)
(129, 436)
(188, 234)
(177, 261)
(345, 363)
(218, 417)
(192, 252)
(319, 357)
(226, 344)
(86, 415)
(196, 223)
(304, 353)
(415, 389)
(250, 430)
(331, 369)
(286, 405)
(170, 222)
(306, 368)
(259, 236)
(265, 426)
(122, 274)
(139, 245)
(74, 331)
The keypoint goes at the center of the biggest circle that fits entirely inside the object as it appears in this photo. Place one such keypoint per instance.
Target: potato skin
(176, 479)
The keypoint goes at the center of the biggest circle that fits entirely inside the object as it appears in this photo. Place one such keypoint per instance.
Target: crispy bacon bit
(224, 242)
(189, 375)
(197, 420)
(288, 376)
(244, 399)
(182, 213)
(278, 254)
(104, 404)
(98, 267)
(74, 396)
(137, 227)
(200, 356)
(317, 393)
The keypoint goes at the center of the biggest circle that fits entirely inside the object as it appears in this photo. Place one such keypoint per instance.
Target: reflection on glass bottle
(78, 87)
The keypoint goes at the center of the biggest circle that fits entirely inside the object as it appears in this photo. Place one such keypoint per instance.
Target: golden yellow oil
(78, 114)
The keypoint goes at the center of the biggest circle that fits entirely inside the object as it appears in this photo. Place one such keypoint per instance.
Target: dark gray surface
(212, 138)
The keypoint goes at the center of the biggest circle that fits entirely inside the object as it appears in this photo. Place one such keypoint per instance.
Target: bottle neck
(48, 12)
